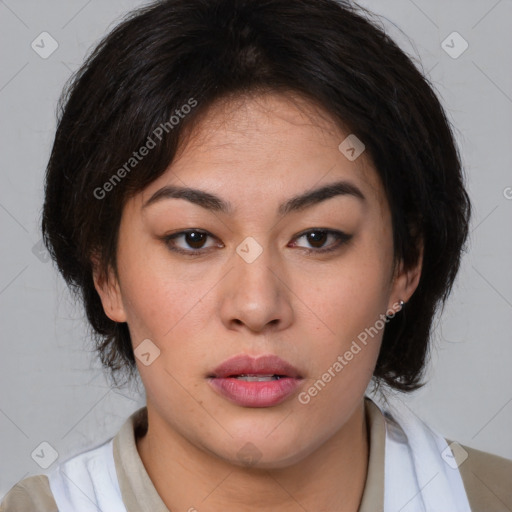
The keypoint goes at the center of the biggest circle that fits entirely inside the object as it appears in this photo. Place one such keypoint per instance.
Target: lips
(263, 365)
(265, 381)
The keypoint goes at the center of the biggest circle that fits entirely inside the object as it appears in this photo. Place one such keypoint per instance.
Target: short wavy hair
(333, 53)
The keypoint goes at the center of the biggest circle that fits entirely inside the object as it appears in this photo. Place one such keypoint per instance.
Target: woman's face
(309, 282)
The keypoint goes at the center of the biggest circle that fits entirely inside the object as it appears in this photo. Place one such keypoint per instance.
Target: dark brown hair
(173, 53)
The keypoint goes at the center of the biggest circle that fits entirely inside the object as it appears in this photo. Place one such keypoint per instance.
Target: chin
(255, 450)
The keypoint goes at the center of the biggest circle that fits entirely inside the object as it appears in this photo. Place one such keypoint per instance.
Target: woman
(262, 206)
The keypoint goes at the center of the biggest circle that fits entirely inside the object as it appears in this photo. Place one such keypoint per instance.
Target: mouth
(257, 378)
(265, 367)
(265, 381)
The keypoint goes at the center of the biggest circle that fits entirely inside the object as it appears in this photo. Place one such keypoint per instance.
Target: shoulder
(28, 495)
(487, 479)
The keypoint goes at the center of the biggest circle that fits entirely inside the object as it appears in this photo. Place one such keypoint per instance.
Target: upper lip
(244, 364)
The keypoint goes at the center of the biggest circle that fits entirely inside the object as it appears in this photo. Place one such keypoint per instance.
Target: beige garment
(487, 478)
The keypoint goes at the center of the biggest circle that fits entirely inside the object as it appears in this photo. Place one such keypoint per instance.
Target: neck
(188, 478)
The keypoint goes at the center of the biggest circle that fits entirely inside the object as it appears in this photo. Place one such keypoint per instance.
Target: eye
(192, 238)
(193, 241)
(317, 237)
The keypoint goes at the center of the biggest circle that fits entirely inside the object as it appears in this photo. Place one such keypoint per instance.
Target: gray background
(52, 387)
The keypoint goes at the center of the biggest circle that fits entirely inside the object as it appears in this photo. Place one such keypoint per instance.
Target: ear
(109, 291)
(406, 281)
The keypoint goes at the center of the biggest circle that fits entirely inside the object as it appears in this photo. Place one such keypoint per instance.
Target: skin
(307, 308)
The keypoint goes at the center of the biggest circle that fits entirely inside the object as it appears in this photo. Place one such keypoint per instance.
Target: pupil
(320, 237)
(195, 239)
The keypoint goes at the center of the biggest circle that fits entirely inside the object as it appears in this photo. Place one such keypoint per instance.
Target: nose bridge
(256, 294)
(253, 271)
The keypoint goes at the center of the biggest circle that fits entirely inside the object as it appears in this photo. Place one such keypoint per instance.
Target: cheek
(347, 303)
(353, 294)
(154, 297)
(156, 305)
(345, 349)
(162, 309)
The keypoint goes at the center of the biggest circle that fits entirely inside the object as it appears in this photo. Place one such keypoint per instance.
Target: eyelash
(342, 238)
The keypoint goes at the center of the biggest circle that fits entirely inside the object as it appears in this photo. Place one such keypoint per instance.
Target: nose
(256, 295)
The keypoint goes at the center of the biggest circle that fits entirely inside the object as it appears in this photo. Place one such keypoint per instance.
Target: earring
(401, 302)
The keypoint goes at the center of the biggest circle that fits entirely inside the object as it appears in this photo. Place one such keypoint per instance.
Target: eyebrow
(299, 202)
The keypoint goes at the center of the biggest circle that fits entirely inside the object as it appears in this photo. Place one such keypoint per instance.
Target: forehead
(266, 124)
(269, 143)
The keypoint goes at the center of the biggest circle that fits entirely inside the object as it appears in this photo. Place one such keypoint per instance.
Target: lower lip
(255, 394)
